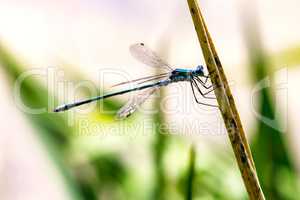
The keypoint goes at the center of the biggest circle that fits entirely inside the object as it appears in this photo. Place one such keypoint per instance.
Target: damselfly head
(200, 70)
(200, 67)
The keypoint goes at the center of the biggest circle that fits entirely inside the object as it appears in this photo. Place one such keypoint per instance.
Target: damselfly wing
(144, 79)
(145, 55)
(133, 104)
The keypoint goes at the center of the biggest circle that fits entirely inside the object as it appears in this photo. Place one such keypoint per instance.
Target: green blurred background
(180, 151)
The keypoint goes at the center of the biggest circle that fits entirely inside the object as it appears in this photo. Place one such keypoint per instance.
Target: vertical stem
(227, 107)
(227, 90)
(190, 174)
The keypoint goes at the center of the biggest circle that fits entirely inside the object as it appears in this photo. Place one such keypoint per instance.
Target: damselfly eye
(200, 68)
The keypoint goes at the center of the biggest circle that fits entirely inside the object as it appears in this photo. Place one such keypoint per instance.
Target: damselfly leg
(203, 83)
(193, 85)
(200, 91)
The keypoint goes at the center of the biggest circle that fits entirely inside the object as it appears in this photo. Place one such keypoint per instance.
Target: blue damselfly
(142, 53)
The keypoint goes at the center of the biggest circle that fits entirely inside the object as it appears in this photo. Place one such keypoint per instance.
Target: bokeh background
(90, 155)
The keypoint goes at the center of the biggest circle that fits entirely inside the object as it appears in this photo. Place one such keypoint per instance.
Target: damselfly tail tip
(61, 108)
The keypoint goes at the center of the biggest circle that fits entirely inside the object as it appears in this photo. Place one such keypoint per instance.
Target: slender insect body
(148, 57)
(164, 82)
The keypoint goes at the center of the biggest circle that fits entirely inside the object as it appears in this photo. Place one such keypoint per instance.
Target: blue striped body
(186, 74)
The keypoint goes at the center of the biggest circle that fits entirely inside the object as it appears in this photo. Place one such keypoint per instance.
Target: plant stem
(228, 91)
(227, 106)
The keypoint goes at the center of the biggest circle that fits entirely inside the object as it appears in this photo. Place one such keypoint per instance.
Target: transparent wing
(145, 55)
(144, 79)
(134, 103)
(159, 78)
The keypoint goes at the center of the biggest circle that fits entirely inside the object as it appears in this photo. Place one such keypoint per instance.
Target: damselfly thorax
(180, 74)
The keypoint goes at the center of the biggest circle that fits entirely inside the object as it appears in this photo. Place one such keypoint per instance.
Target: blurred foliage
(270, 150)
(209, 181)
(57, 134)
(35, 94)
(101, 177)
(109, 169)
(53, 129)
(289, 57)
(190, 175)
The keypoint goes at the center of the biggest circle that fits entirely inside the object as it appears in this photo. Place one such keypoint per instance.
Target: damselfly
(142, 53)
